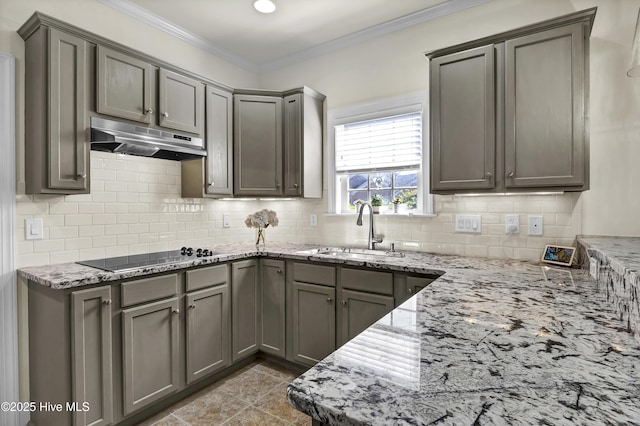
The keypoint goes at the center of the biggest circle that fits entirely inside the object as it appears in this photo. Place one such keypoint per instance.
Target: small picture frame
(558, 255)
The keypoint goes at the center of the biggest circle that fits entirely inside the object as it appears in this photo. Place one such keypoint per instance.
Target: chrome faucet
(373, 240)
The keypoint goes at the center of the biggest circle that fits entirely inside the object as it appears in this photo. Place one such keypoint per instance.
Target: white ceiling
(234, 30)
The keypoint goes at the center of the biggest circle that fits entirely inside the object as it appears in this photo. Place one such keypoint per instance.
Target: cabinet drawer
(315, 274)
(369, 281)
(148, 289)
(207, 277)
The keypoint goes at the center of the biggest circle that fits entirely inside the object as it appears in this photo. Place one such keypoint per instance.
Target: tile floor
(254, 395)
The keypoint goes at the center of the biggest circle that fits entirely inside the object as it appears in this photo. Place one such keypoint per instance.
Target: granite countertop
(488, 342)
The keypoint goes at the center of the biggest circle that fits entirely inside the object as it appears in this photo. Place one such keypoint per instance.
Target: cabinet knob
(510, 173)
(410, 291)
(176, 311)
(82, 176)
(279, 271)
(106, 301)
(329, 300)
(344, 303)
(489, 175)
(165, 114)
(212, 184)
(192, 306)
(295, 185)
(277, 185)
(148, 111)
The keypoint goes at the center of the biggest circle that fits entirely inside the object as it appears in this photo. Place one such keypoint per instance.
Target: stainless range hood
(124, 138)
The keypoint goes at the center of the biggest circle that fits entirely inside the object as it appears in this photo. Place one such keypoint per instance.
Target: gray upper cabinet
(544, 109)
(508, 112)
(245, 286)
(463, 142)
(57, 159)
(181, 101)
(213, 176)
(257, 145)
(125, 86)
(272, 307)
(91, 355)
(150, 348)
(303, 134)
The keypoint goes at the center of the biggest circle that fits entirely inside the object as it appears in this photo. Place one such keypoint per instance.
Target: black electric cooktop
(137, 261)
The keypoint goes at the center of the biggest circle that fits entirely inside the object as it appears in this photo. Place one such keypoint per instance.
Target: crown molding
(158, 22)
(452, 6)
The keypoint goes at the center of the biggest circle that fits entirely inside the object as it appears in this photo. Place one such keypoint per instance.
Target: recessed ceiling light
(264, 6)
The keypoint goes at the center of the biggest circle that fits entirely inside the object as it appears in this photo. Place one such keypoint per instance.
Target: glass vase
(260, 234)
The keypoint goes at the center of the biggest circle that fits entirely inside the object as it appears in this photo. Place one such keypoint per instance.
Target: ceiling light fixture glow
(264, 6)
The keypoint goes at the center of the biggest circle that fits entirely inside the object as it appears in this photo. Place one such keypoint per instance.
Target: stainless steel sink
(352, 253)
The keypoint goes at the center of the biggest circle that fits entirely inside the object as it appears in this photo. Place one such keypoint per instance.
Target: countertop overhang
(488, 342)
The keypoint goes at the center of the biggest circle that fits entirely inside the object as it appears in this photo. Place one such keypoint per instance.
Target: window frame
(415, 102)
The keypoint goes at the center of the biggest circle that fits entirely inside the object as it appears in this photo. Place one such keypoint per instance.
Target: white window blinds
(383, 143)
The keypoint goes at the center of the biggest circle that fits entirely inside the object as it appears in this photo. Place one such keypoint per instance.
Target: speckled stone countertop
(489, 342)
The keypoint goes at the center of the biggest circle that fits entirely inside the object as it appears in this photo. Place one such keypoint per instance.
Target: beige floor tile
(276, 371)
(253, 417)
(212, 409)
(251, 385)
(170, 421)
(275, 403)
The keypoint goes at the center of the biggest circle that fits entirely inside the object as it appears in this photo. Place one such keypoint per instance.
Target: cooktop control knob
(199, 252)
(206, 253)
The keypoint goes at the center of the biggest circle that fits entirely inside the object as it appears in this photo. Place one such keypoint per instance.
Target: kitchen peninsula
(490, 340)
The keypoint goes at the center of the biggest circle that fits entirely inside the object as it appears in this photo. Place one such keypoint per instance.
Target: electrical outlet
(512, 223)
(535, 225)
(226, 221)
(313, 220)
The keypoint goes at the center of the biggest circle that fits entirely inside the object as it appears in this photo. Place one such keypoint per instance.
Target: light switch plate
(33, 229)
(313, 220)
(226, 221)
(471, 223)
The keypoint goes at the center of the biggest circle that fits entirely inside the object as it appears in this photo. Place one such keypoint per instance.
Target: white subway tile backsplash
(135, 207)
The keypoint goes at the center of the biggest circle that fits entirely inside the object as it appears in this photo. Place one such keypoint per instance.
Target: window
(378, 149)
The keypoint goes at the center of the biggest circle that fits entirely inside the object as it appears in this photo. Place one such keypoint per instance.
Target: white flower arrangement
(262, 219)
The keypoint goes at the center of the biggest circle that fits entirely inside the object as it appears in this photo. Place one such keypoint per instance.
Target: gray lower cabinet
(150, 353)
(245, 288)
(257, 145)
(208, 334)
(213, 176)
(91, 356)
(406, 286)
(57, 159)
(271, 333)
(365, 296)
(313, 322)
(125, 86)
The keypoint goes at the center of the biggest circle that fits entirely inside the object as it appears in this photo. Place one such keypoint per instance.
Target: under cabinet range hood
(124, 138)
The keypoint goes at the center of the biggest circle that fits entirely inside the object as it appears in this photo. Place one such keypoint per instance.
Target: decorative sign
(558, 255)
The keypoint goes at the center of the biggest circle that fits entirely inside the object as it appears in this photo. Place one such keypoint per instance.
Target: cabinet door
(545, 109)
(272, 308)
(150, 353)
(359, 310)
(463, 142)
(314, 324)
(293, 145)
(91, 355)
(208, 336)
(219, 138)
(257, 145)
(181, 101)
(68, 147)
(124, 86)
(244, 308)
